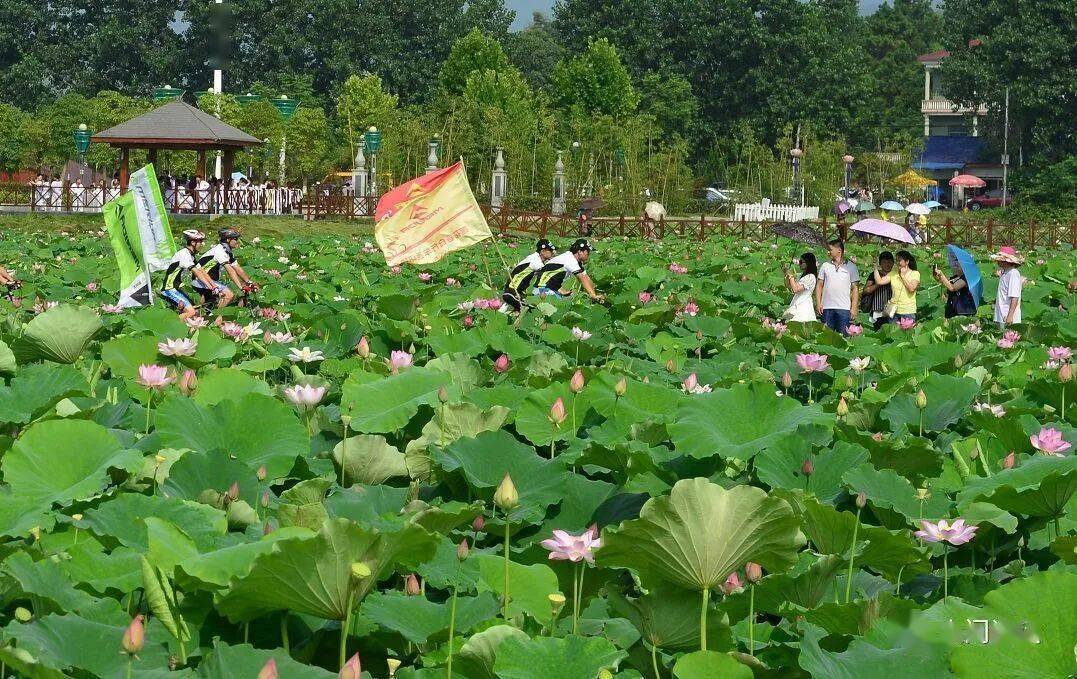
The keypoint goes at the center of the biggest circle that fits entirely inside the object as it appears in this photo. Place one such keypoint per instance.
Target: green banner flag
(137, 225)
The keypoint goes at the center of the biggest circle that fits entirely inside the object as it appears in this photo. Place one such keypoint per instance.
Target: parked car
(992, 198)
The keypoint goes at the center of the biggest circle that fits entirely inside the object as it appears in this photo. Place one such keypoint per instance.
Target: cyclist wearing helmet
(551, 279)
(522, 275)
(220, 256)
(184, 261)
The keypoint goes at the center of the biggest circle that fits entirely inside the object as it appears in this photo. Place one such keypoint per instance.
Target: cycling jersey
(212, 261)
(554, 272)
(181, 262)
(522, 274)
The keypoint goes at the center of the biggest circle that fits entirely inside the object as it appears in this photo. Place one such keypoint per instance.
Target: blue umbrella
(933, 204)
(961, 260)
(893, 205)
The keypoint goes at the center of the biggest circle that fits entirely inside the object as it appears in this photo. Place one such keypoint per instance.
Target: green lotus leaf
(157, 321)
(1040, 486)
(568, 657)
(8, 365)
(465, 372)
(256, 429)
(453, 421)
(212, 347)
(57, 462)
(48, 582)
(231, 662)
(707, 664)
(900, 359)
(418, 619)
(304, 504)
(195, 472)
(90, 565)
(779, 466)
(700, 533)
(37, 388)
(738, 422)
(861, 660)
(368, 459)
(640, 402)
(366, 504)
(60, 335)
(122, 518)
(382, 405)
(529, 586)
(215, 569)
(318, 570)
(124, 354)
(668, 617)
(479, 653)
(445, 570)
(215, 386)
(886, 490)
(948, 400)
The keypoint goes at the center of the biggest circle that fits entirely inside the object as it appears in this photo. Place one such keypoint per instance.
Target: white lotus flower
(177, 347)
(860, 364)
(581, 335)
(304, 396)
(304, 355)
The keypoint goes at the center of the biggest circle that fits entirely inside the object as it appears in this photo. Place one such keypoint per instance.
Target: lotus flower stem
(751, 620)
(852, 557)
(452, 632)
(921, 422)
(130, 661)
(284, 632)
(945, 573)
(577, 596)
(344, 630)
(654, 660)
(703, 619)
(343, 453)
(149, 409)
(505, 598)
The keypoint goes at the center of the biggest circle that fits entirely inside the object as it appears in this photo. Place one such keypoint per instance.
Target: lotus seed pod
(360, 571)
(23, 614)
(557, 602)
(393, 664)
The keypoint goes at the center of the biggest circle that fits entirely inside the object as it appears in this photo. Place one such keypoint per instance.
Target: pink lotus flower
(644, 297)
(691, 385)
(996, 410)
(731, 584)
(466, 306)
(1004, 343)
(1011, 335)
(860, 364)
(564, 546)
(233, 330)
(188, 382)
(154, 376)
(352, 669)
(674, 267)
(1049, 441)
(577, 382)
(399, 360)
(177, 347)
(269, 670)
(856, 330)
(811, 363)
(452, 282)
(557, 411)
(134, 637)
(1060, 353)
(268, 313)
(972, 328)
(767, 322)
(580, 335)
(493, 303)
(502, 363)
(906, 323)
(395, 270)
(273, 273)
(425, 277)
(956, 533)
(91, 286)
(779, 328)
(112, 308)
(690, 309)
(469, 321)
(304, 396)
(197, 322)
(279, 337)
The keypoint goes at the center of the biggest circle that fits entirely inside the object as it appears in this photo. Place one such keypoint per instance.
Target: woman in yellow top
(903, 280)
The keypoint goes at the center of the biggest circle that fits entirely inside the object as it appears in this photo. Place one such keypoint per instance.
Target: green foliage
(595, 82)
(472, 53)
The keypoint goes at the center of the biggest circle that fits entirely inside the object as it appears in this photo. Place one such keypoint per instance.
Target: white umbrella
(917, 209)
(654, 210)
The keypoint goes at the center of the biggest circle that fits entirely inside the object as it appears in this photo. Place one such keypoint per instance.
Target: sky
(524, 8)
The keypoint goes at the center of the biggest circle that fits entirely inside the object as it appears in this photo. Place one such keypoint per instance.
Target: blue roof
(949, 153)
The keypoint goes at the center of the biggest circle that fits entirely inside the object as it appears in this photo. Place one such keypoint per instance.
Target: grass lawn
(250, 225)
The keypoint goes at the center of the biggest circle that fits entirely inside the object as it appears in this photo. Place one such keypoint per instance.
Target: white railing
(757, 212)
(947, 106)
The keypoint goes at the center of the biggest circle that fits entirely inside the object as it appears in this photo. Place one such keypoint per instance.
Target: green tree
(536, 51)
(668, 97)
(472, 53)
(595, 82)
(309, 145)
(363, 102)
(13, 137)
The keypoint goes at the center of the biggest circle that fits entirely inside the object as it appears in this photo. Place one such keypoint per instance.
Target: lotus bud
(393, 664)
(958, 361)
(921, 399)
(605, 674)
(262, 473)
(576, 383)
(557, 602)
(861, 500)
(267, 528)
(363, 348)
(269, 670)
(77, 517)
(134, 637)
(478, 524)
(265, 498)
(843, 408)
(557, 411)
(646, 379)
(670, 365)
(787, 379)
(753, 572)
(411, 586)
(1009, 461)
(160, 459)
(188, 382)
(233, 491)
(462, 550)
(974, 454)
(352, 669)
(360, 571)
(23, 614)
(808, 468)
(922, 494)
(1065, 373)
(35, 533)
(443, 395)
(621, 387)
(506, 496)
(468, 322)
(502, 363)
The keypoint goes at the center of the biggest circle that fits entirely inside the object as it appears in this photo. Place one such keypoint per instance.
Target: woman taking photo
(801, 308)
(903, 285)
(959, 300)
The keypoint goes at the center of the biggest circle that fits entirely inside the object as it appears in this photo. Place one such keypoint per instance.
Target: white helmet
(194, 234)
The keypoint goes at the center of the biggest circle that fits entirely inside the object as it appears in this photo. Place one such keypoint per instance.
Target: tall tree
(535, 51)
(595, 82)
(472, 53)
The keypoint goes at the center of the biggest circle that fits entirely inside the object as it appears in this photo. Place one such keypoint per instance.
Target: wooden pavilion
(176, 126)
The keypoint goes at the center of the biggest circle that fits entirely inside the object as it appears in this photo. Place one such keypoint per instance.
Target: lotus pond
(372, 473)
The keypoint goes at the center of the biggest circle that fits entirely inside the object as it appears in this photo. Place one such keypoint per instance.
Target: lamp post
(848, 160)
(247, 99)
(796, 153)
(167, 93)
(372, 141)
(82, 142)
(577, 160)
(286, 107)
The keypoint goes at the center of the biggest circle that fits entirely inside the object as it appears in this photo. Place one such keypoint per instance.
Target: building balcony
(945, 106)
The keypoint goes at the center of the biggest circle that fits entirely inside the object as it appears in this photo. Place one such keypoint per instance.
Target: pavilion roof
(176, 125)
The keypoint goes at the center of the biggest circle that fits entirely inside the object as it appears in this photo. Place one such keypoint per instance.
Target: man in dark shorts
(183, 262)
(222, 256)
(551, 279)
(522, 275)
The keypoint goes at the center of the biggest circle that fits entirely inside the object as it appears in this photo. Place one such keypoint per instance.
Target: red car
(992, 198)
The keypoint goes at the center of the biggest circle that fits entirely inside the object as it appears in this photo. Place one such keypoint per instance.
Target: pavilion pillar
(151, 158)
(227, 164)
(125, 157)
(200, 169)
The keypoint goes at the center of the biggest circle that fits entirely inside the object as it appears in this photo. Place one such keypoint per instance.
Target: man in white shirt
(521, 275)
(837, 295)
(1010, 282)
(551, 279)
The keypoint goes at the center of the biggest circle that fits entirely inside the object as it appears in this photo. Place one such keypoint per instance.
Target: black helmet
(580, 245)
(228, 234)
(544, 244)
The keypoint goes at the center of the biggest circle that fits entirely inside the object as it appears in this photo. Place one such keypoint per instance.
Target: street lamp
(82, 141)
(247, 99)
(372, 141)
(432, 154)
(848, 160)
(796, 153)
(286, 107)
(167, 93)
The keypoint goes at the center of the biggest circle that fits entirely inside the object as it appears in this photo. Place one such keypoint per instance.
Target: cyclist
(223, 256)
(522, 275)
(8, 280)
(181, 262)
(551, 279)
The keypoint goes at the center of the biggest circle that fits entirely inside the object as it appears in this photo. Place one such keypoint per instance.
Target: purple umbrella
(842, 207)
(878, 227)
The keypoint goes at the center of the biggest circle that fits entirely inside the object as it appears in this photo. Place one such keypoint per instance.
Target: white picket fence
(758, 212)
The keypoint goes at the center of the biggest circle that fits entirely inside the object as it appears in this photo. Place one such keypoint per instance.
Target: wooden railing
(178, 200)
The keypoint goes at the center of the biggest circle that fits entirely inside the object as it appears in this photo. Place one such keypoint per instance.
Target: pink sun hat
(1007, 253)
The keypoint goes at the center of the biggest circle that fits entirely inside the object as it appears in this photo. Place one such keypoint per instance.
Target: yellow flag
(422, 220)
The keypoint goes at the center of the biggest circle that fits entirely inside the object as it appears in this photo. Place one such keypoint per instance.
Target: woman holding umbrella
(963, 287)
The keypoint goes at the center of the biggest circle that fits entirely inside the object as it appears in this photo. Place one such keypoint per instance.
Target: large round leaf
(225, 662)
(368, 459)
(738, 422)
(948, 399)
(668, 617)
(1040, 486)
(382, 405)
(569, 657)
(707, 664)
(60, 334)
(700, 533)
